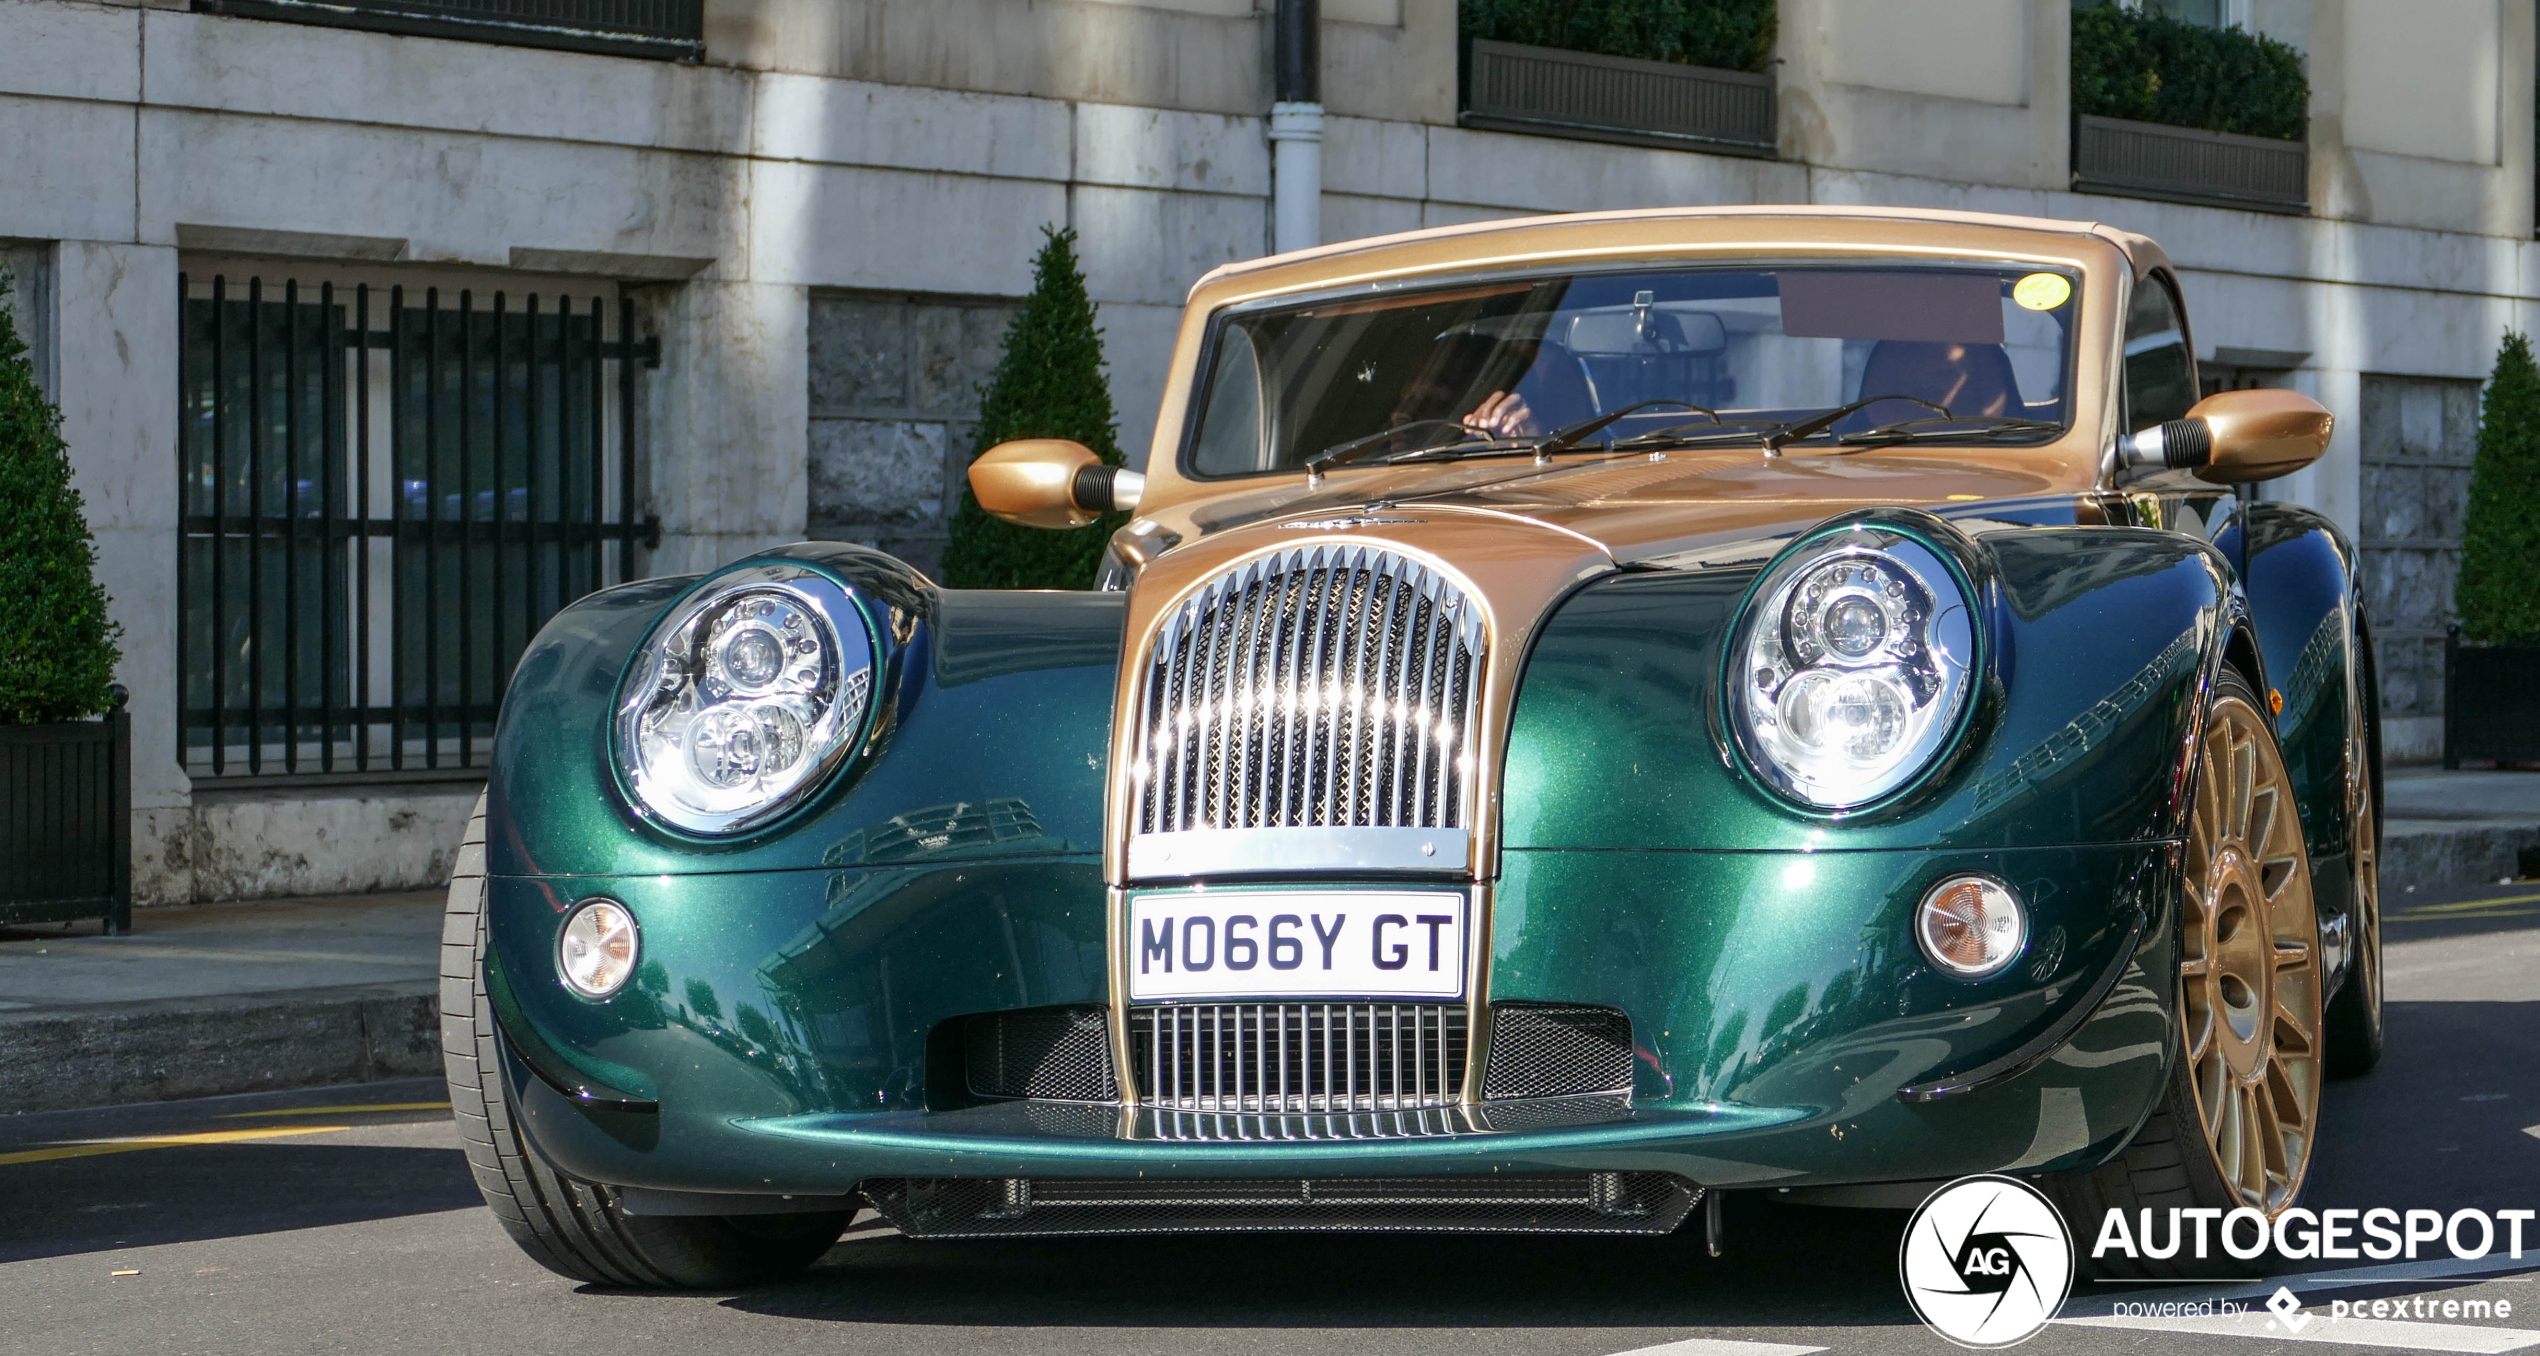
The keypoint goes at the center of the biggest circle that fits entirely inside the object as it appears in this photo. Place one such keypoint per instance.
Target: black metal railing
(384, 495)
(672, 30)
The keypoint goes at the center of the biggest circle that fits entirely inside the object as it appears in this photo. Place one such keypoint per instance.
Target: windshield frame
(1204, 374)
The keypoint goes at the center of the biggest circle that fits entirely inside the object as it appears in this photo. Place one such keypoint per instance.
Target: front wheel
(575, 1228)
(2239, 1120)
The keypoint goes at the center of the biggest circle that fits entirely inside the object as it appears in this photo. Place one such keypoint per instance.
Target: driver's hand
(1503, 415)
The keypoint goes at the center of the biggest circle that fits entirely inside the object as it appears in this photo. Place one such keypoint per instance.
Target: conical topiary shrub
(57, 647)
(2500, 536)
(1048, 385)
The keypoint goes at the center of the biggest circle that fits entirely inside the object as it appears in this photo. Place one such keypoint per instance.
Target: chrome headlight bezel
(705, 662)
(1877, 618)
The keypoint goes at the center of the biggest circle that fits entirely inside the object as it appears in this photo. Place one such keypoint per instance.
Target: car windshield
(1957, 350)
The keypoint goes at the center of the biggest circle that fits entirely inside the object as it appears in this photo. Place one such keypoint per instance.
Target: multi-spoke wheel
(2354, 1015)
(2238, 1122)
(2249, 965)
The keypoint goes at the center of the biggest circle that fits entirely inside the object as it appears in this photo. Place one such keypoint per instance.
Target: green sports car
(1588, 714)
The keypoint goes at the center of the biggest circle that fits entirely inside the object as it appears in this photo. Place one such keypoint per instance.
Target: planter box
(2181, 164)
(66, 822)
(2491, 702)
(1510, 87)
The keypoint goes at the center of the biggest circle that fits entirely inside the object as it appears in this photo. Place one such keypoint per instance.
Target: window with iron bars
(669, 30)
(386, 491)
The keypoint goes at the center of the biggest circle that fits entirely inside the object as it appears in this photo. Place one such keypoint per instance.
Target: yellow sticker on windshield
(2042, 291)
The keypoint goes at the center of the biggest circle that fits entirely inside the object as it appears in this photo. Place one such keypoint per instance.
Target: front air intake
(1556, 1050)
(1062, 1054)
(1298, 1057)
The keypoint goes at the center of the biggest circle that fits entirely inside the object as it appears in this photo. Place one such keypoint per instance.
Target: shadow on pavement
(2441, 1124)
(1835, 1267)
(199, 1192)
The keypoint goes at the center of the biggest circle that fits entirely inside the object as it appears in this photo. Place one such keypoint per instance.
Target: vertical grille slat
(1322, 686)
(1298, 1057)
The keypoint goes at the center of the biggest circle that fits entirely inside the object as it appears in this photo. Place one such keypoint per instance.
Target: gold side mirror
(2235, 436)
(1050, 482)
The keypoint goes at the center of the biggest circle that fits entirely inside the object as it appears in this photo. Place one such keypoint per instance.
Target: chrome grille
(1325, 686)
(1298, 1057)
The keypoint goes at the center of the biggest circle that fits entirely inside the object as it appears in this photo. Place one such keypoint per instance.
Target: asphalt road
(344, 1220)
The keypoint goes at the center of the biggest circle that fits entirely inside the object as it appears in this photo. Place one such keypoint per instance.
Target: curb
(63, 1059)
(2453, 855)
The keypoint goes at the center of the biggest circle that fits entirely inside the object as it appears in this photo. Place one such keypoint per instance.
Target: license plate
(1300, 943)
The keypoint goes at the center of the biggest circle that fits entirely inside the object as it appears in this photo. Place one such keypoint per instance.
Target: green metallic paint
(1793, 980)
(989, 704)
(1615, 741)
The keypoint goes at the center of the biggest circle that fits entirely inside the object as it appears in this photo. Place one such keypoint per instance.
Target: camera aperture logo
(1986, 1262)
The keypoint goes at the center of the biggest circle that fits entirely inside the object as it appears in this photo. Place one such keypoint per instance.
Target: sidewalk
(220, 998)
(230, 998)
(2444, 829)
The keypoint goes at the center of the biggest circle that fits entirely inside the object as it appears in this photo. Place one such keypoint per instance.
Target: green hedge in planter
(1734, 35)
(2152, 68)
(57, 647)
(2500, 536)
(1049, 384)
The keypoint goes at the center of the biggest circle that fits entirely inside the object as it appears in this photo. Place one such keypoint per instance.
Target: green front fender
(991, 735)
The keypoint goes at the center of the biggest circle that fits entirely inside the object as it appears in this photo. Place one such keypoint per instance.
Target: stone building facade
(804, 239)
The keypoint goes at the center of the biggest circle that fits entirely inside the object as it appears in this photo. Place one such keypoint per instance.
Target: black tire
(2167, 1166)
(2355, 1015)
(570, 1227)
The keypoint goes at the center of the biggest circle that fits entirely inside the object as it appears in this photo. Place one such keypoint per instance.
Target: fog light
(1971, 927)
(597, 951)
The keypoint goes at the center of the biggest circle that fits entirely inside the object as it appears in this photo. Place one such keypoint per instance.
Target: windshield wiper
(1909, 430)
(1776, 433)
(1561, 439)
(1341, 454)
(1815, 424)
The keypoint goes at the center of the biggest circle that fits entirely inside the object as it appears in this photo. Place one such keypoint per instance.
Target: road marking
(337, 1110)
(1713, 1346)
(2430, 916)
(2353, 1332)
(2459, 904)
(2532, 1130)
(93, 1147)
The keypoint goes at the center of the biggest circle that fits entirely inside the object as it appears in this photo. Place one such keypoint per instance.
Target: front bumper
(788, 1027)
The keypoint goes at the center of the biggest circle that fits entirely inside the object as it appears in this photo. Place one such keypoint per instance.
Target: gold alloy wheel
(2249, 973)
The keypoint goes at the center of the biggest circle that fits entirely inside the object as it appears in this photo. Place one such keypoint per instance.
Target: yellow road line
(2435, 916)
(338, 1110)
(91, 1148)
(2459, 905)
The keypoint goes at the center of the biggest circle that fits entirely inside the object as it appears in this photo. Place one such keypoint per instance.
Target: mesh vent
(1059, 1053)
(1325, 686)
(1544, 1050)
(1521, 1203)
(1298, 1057)
(1232, 1127)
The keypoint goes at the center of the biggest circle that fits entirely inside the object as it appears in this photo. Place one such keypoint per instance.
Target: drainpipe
(1296, 130)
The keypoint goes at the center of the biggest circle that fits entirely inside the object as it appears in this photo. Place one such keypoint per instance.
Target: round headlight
(744, 698)
(1852, 666)
(596, 951)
